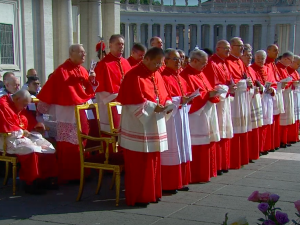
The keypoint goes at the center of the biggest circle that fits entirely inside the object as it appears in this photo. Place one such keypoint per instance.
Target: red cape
(171, 79)
(294, 73)
(11, 120)
(138, 87)
(264, 74)
(236, 67)
(65, 86)
(192, 77)
(133, 62)
(270, 63)
(109, 73)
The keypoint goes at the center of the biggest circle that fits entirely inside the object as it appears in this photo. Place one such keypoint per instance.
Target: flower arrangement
(272, 214)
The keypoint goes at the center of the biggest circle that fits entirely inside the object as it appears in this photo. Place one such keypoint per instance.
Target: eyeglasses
(175, 59)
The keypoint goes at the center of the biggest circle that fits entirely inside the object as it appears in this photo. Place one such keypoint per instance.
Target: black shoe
(272, 150)
(141, 204)
(251, 161)
(277, 148)
(225, 171)
(264, 153)
(293, 142)
(220, 172)
(157, 200)
(260, 154)
(282, 145)
(170, 191)
(33, 190)
(186, 188)
(288, 145)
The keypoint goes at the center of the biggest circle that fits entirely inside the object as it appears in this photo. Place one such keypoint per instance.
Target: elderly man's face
(200, 63)
(77, 56)
(273, 52)
(260, 60)
(296, 64)
(157, 42)
(138, 55)
(117, 47)
(223, 50)
(237, 48)
(21, 103)
(13, 85)
(173, 61)
(154, 64)
(246, 57)
(287, 61)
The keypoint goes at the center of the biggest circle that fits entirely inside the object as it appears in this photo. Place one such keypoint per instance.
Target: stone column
(250, 33)
(292, 37)
(155, 30)
(168, 43)
(272, 33)
(131, 35)
(174, 35)
(138, 32)
(297, 37)
(264, 43)
(186, 38)
(193, 36)
(180, 38)
(211, 36)
(199, 34)
(127, 40)
(224, 29)
(162, 33)
(99, 16)
(149, 34)
(237, 30)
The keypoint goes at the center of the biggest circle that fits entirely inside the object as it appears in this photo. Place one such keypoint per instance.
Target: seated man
(11, 84)
(31, 73)
(33, 86)
(35, 154)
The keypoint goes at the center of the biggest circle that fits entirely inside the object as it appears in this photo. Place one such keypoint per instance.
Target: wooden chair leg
(99, 181)
(113, 181)
(81, 184)
(118, 183)
(14, 171)
(6, 173)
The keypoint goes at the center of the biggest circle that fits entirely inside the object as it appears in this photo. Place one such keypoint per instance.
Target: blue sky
(181, 2)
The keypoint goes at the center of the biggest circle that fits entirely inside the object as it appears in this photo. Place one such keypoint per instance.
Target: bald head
(12, 84)
(21, 99)
(31, 73)
(296, 63)
(223, 49)
(272, 51)
(7, 75)
(156, 42)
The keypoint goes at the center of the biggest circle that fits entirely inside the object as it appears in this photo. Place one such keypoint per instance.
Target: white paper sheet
(89, 114)
(119, 109)
(32, 107)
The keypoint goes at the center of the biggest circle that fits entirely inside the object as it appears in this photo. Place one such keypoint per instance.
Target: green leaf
(261, 219)
(297, 214)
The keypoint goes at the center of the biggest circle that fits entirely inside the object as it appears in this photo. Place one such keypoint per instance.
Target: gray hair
(22, 94)
(74, 47)
(287, 54)
(262, 53)
(234, 40)
(10, 80)
(296, 57)
(221, 43)
(197, 54)
(169, 51)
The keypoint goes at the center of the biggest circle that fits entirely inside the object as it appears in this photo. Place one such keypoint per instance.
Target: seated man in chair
(35, 154)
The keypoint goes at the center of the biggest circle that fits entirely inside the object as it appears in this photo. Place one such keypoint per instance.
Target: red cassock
(264, 75)
(33, 165)
(110, 73)
(239, 143)
(275, 127)
(203, 165)
(68, 86)
(218, 74)
(143, 169)
(283, 73)
(293, 132)
(175, 176)
(132, 61)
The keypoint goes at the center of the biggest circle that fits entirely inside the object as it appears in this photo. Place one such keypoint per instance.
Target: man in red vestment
(265, 78)
(143, 136)
(203, 119)
(219, 77)
(69, 85)
(278, 108)
(293, 135)
(256, 106)
(35, 154)
(137, 54)
(240, 106)
(110, 73)
(288, 117)
(175, 162)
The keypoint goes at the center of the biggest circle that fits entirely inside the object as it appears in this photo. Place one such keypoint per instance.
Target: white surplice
(288, 117)
(240, 109)
(204, 126)
(179, 139)
(143, 130)
(224, 115)
(268, 102)
(297, 101)
(256, 111)
(278, 104)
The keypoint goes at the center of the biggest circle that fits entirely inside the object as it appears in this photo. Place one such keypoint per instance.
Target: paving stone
(172, 221)
(275, 175)
(186, 197)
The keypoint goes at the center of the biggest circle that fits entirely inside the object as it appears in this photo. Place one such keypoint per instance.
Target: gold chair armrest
(107, 140)
(110, 116)
(35, 100)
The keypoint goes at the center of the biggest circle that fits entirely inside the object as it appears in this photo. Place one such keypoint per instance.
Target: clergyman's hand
(26, 133)
(159, 108)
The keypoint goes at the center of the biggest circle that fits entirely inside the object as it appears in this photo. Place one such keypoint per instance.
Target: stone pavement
(276, 172)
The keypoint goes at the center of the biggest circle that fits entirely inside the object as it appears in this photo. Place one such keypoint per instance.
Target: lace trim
(43, 107)
(67, 132)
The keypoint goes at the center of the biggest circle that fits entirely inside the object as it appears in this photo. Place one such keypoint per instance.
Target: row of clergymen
(219, 117)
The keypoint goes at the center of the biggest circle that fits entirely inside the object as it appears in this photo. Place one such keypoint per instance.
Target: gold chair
(103, 161)
(34, 100)
(8, 159)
